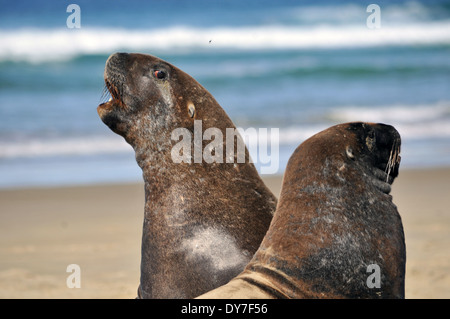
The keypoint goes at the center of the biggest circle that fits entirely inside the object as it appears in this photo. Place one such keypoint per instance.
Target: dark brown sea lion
(335, 228)
(203, 220)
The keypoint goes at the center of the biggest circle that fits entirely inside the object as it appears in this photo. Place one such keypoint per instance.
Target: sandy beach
(42, 231)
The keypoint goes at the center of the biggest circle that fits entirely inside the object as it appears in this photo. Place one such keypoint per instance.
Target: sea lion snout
(115, 74)
(388, 142)
(379, 146)
(387, 136)
(115, 78)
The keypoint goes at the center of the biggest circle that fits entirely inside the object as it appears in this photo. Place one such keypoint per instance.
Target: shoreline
(99, 228)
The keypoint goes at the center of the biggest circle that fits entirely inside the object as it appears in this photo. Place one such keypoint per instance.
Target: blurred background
(300, 66)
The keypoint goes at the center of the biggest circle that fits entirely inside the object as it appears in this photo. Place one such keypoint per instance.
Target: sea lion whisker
(394, 159)
(105, 94)
(389, 164)
(114, 91)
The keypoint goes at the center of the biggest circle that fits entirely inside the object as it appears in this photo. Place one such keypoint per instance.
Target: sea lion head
(377, 146)
(348, 152)
(150, 98)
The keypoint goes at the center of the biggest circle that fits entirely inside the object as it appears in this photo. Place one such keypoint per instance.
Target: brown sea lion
(336, 228)
(204, 219)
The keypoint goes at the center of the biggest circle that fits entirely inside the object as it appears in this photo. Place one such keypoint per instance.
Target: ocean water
(299, 66)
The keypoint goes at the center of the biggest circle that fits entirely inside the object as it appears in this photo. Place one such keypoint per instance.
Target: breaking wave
(40, 45)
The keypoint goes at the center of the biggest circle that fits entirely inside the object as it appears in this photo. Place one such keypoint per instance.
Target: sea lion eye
(349, 152)
(191, 110)
(159, 74)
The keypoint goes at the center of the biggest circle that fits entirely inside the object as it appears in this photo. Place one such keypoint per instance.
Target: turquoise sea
(299, 66)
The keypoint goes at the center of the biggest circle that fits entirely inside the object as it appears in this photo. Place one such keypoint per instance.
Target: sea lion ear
(191, 110)
(349, 152)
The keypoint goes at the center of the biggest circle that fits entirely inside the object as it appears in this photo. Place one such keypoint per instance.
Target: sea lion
(335, 228)
(204, 219)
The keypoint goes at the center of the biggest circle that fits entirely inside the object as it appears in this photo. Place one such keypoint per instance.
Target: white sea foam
(412, 121)
(354, 13)
(62, 147)
(401, 114)
(36, 45)
(409, 131)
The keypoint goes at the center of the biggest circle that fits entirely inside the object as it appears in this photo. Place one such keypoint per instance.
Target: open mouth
(111, 94)
(111, 97)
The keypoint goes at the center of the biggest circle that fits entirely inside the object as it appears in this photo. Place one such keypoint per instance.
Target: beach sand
(99, 228)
